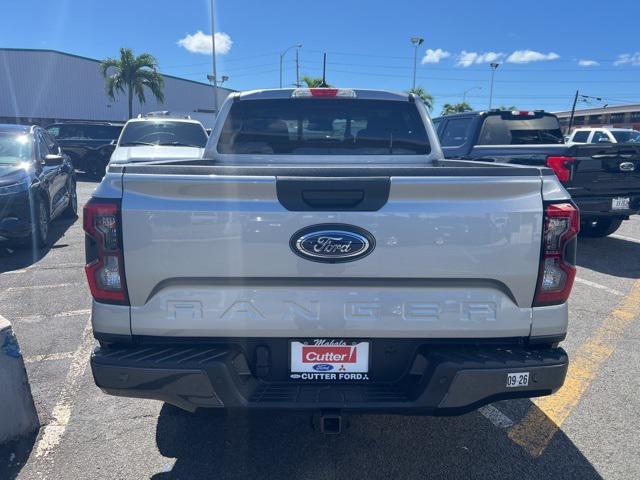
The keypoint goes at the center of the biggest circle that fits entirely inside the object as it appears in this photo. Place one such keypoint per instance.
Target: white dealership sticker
(322, 359)
(520, 379)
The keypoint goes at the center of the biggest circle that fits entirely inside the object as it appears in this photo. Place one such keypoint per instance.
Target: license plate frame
(329, 359)
(621, 203)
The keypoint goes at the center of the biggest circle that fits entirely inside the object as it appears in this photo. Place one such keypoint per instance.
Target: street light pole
(494, 67)
(573, 112)
(464, 95)
(416, 41)
(213, 59)
(299, 45)
(297, 68)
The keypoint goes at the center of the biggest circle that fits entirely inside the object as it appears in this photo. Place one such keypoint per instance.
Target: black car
(603, 179)
(89, 144)
(37, 184)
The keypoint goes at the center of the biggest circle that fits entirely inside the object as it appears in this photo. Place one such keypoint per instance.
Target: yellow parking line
(546, 416)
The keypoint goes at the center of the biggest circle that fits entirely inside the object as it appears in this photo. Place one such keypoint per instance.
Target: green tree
(131, 75)
(314, 82)
(449, 108)
(425, 96)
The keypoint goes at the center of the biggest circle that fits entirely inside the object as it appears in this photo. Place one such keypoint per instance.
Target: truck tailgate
(606, 169)
(210, 255)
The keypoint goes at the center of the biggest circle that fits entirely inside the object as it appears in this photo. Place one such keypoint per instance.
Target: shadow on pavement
(613, 256)
(283, 445)
(14, 455)
(15, 258)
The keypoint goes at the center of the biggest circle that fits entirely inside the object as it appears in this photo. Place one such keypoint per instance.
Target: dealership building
(618, 116)
(46, 86)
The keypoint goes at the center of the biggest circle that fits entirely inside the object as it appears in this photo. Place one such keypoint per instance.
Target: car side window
(54, 131)
(52, 146)
(456, 132)
(597, 136)
(581, 137)
(43, 149)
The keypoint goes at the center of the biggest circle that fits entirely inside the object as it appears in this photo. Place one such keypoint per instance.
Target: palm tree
(316, 82)
(448, 108)
(132, 74)
(425, 96)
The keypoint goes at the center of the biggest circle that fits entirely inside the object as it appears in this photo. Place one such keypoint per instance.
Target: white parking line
(40, 287)
(628, 239)
(496, 417)
(13, 272)
(52, 433)
(48, 358)
(40, 317)
(589, 283)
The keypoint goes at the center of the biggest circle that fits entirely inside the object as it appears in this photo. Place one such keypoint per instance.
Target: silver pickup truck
(323, 256)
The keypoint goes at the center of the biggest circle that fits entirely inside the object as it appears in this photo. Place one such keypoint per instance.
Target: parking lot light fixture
(416, 42)
(494, 66)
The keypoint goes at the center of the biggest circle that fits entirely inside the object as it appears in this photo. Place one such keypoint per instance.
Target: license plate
(329, 359)
(520, 379)
(620, 203)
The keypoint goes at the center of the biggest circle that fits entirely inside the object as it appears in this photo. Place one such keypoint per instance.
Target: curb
(18, 415)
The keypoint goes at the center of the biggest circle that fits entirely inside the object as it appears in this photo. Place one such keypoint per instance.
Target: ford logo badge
(332, 243)
(323, 367)
(627, 166)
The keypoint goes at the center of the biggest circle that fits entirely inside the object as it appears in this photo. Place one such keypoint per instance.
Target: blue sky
(367, 43)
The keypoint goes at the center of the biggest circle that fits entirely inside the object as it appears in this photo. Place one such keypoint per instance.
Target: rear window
(508, 129)
(323, 127)
(581, 137)
(626, 136)
(163, 132)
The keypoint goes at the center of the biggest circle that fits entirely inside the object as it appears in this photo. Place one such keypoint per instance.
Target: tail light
(562, 167)
(323, 92)
(557, 262)
(103, 246)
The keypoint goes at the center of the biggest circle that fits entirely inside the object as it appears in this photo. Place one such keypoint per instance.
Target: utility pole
(297, 68)
(494, 67)
(213, 59)
(416, 41)
(573, 112)
(298, 45)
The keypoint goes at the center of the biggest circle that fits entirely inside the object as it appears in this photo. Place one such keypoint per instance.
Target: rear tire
(601, 227)
(39, 237)
(72, 208)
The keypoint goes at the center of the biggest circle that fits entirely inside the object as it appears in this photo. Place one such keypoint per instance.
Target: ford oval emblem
(627, 166)
(332, 243)
(323, 367)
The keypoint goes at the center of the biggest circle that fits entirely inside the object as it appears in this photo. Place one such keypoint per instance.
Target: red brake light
(557, 263)
(105, 262)
(323, 93)
(561, 166)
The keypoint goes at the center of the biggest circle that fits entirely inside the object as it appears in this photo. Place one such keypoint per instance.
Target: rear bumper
(600, 206)
(438, 380)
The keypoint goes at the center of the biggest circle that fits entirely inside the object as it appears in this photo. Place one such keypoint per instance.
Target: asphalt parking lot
(588, 430)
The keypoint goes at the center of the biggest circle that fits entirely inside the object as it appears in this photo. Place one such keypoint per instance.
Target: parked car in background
(604, 135)
(37, 184)
(88, 144)
(159, 135)
(603, 179)
(323, 256)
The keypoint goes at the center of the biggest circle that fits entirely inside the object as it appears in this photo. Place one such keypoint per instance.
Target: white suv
(159, 136)
(604, 135)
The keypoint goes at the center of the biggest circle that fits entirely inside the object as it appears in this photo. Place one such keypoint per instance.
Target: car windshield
(324, 127)
(15, 148)
(163, 132)
(626, 136)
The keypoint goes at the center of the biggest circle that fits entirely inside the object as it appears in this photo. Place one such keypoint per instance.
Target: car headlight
(14, 188)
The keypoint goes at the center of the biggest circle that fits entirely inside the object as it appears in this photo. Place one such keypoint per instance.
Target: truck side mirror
(52, 160)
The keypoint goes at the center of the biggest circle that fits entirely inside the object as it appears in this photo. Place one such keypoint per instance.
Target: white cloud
(628, 59)
(434, 56)
(527, 56)
(466, 59)
(587, 63)
(201, 43)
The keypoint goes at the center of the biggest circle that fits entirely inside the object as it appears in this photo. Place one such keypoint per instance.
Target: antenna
(324, 72)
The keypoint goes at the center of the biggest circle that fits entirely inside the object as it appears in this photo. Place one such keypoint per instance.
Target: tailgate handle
(333, 199)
